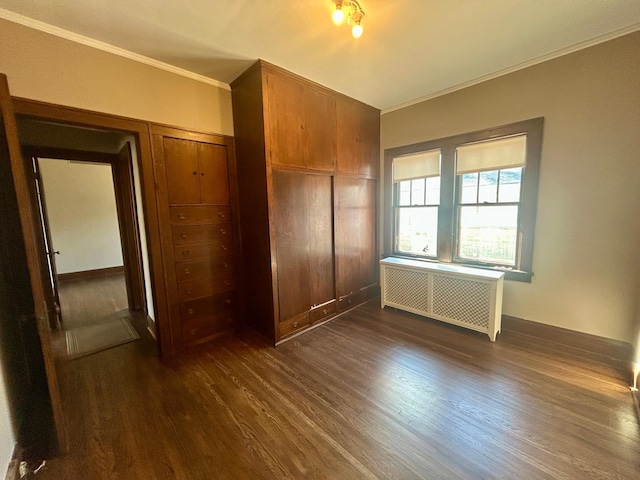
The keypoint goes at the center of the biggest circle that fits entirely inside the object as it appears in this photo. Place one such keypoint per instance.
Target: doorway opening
(93, 249)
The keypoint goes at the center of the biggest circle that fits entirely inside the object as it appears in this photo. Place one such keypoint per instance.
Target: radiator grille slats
(459, 295)
(462, 300)
(407, 287)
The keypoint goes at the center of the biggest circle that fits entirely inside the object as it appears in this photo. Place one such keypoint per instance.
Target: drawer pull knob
(190, 311)
(181, 216)
(186, 271)
(228, 301)
(324, 312)
(295, 325)
(225, 265)
(221, 215)
(227, 283)
(184, 235)
(185, 253)
(195, 173)
(222, 247)
(223, 231)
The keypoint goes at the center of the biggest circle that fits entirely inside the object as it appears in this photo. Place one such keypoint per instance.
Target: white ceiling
(410, 49)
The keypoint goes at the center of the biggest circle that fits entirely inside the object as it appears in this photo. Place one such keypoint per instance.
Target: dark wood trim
(613, 353)
(140, 131)
(95, 273)
(68, 154)
(39, 313)
(122, 171)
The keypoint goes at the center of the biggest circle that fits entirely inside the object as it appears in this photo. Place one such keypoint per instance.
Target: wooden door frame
(125, 208)
(25, 108)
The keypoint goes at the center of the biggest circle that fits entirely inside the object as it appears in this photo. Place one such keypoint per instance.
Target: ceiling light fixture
(354, 13)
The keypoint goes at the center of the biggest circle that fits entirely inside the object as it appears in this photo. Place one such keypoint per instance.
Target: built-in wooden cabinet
(195, 193)
(307, 178)
(298, 114)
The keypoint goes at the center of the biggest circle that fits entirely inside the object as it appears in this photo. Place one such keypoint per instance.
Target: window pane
(417, 230)
(404, 193)
(417, 191)
(488, 234)
(433, 190)
(510, 181)
(488, 191)
(469, 188)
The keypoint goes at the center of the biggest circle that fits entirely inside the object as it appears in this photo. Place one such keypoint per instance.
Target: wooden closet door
(181, 164)
(214, 177)
(321, 268)
(355, 236)
(286, 117)
(291, 225)
(320, 127)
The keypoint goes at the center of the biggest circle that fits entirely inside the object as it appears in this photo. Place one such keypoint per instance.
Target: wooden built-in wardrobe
(308, 180)
(196, 197)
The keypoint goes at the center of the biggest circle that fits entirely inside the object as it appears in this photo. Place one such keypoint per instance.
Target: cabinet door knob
(185, 253)
(190, 311)
(184, 235)
(195, 173)
(295, 325)
(221, 215)
(324, 312)
(181, 216)
(228, 301)
(227, 283)
(225, 265)
(187, 272)
(223, 231)
(223, 247)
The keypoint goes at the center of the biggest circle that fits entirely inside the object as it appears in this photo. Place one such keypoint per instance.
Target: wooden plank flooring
(372, 395)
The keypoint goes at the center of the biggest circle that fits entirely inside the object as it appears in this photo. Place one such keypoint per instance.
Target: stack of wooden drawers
(204, 264)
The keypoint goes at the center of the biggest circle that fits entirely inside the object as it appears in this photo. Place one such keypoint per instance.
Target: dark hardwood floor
(373, 394)
(87, 301)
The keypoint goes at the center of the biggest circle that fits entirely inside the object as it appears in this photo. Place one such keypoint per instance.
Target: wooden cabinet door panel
(367, 234)
(181, 163)
(214, 178)
(320, 128)
(291, 217)
(320, 207)
(348, 143)
(358, 139)
(286, 121)
(355, 240)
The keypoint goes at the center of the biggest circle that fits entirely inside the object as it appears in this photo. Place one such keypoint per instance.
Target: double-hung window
(467, 199)
(416, 180)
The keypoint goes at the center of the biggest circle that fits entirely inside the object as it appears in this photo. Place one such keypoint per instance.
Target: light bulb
(356, 31)
(338, 16)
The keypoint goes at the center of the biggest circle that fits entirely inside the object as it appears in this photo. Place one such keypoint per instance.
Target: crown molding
(106, 47)
(544, 58)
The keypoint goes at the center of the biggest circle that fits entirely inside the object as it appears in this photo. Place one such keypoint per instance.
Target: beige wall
(587, 243)
(51, 69)
(81, 207)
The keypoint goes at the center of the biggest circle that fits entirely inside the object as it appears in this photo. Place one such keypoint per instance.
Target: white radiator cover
(463, 296)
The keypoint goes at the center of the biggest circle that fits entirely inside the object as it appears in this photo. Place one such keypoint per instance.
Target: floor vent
(468, 297)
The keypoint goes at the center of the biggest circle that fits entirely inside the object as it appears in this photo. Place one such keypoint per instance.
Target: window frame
(447, 211)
